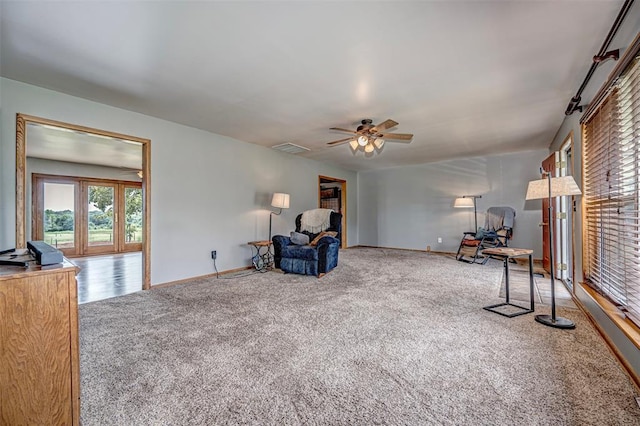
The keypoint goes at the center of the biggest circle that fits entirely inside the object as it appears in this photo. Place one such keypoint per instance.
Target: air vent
(291, 148)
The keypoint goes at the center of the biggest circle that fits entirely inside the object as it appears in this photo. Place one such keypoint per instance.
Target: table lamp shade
(563, 185)
(463, 202)
(280, 200)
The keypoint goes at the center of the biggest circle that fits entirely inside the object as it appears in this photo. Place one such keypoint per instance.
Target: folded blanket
(499, 217)
(316, 220)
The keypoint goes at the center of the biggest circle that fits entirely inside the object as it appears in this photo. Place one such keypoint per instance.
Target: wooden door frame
(572, 212)
(81, 243)
(37, 196)
(87, 249)
(22, 120)
(123, 185)
(343, 204)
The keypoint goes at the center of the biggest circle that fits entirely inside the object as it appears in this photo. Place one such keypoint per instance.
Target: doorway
(96, 145)
(332, 194)
(548, 166)
(558, 164)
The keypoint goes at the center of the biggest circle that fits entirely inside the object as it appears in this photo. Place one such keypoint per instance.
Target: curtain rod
(602, 55)
(632, 51)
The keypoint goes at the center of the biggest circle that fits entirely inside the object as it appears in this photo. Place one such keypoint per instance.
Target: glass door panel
(133, 218)
(83, 216)
(101, 216)
(58, 216)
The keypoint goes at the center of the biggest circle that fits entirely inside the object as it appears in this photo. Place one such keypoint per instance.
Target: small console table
(507, 253)
(263, 259)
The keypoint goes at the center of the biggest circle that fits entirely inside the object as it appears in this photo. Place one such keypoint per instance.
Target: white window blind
(611, 194)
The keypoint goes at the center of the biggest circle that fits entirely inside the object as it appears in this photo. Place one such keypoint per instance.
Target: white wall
(410, 207)
(207, 191)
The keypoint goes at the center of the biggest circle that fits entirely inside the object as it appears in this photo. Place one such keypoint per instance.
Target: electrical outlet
(214, 254)
(439, 240)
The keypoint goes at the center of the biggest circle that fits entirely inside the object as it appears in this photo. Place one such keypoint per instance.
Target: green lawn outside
(65, 238)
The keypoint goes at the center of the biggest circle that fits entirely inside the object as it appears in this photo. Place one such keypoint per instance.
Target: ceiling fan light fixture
(370, 138)
(369, 148)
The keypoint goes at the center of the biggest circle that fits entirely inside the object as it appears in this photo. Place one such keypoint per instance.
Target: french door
(81, 216)
(556, 164)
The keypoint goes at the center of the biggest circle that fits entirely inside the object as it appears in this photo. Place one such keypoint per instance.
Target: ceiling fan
(370, 137)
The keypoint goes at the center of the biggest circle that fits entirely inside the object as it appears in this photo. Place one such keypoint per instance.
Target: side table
(263, 259)
(507, 253)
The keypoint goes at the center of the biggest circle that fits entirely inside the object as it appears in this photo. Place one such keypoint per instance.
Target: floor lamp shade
(280, 200)
(551, 187)
(560, 186)
(468, 201)
(462, 203)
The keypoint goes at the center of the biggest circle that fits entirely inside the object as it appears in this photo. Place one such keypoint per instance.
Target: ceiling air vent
(291, 148)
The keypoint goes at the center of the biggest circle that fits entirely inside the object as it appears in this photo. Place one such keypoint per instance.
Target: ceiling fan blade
(343, 130)
(397, 136)
(387, 124)
(339, 142)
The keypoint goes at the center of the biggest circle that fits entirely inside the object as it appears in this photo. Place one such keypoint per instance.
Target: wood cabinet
(39, 355)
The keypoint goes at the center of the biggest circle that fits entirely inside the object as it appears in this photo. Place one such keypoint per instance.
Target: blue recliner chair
(305, 259)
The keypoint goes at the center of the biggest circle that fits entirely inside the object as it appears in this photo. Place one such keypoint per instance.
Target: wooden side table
(507, 253)
(263, 259)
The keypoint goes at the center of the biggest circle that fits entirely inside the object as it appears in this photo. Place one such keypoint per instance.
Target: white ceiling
(466, 77)
(54, 143)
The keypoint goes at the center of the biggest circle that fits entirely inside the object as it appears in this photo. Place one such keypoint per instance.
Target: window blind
(611, 139)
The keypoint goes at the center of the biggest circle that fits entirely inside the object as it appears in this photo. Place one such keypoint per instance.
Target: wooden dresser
(39, 356)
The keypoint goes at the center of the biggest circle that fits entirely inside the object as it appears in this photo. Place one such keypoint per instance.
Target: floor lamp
(468, 201)
(280, 201)
(551, 187)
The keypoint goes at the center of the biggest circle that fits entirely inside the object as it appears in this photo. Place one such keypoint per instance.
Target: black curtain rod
(602, 55)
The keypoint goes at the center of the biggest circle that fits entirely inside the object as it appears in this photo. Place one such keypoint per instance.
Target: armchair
(307, 259)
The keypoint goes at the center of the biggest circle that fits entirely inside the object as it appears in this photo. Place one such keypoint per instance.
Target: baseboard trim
(198, 277)
(448, 253)
(405, 249)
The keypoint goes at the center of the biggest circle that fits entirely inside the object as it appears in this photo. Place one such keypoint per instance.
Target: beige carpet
(388, 337)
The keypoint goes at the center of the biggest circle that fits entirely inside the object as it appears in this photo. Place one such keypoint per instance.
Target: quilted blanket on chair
(316, 220)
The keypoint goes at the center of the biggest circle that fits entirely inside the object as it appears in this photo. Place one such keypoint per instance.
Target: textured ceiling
(467, 78)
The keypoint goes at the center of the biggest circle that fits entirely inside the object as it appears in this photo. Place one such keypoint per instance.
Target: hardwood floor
(102, 277)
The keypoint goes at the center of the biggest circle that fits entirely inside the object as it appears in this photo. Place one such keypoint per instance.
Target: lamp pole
(475, 214)
(552, 320)
(270, 218)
